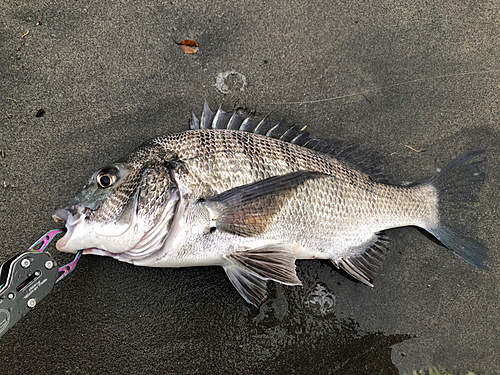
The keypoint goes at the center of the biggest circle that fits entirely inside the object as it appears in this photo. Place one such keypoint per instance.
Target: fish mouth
(72, 215)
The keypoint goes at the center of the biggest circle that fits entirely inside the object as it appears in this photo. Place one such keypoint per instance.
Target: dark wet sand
(109, 77)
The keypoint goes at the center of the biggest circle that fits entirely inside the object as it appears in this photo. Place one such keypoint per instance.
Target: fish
(253, 197)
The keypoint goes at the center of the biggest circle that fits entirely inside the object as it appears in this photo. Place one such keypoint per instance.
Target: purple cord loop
(44, 241)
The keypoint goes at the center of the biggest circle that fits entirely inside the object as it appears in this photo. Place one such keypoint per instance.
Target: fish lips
(72, 215)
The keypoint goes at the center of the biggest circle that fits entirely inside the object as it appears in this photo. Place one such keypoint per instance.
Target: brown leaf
(188, 46)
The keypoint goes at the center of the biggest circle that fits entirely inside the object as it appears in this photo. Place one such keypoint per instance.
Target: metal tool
(28, 278)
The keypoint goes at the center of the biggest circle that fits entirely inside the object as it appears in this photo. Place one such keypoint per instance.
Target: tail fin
(458, 185)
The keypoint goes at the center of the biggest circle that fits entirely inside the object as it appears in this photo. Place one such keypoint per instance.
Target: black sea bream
(254, 198)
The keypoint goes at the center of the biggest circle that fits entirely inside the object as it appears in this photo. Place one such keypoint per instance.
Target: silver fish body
(226, 194)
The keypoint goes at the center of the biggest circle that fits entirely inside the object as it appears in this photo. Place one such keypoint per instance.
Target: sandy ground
(109, 76)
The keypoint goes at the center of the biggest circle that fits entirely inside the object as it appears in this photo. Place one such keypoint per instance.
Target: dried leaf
(188, 46)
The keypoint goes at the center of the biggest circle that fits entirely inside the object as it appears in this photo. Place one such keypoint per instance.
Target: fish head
(120, 204)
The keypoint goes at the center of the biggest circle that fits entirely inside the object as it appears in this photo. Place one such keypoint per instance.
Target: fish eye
(106, 178)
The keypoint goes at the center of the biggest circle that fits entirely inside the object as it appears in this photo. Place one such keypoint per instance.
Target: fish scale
(218, 158)
(253, 198)
(323, 215)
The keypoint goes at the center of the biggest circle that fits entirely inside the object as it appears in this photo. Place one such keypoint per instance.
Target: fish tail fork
(457, 186)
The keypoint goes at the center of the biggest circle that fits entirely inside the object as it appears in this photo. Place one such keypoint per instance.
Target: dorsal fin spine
(194, 123)
(235, 121)
(207, 117)
(216, 119)
(259, 129)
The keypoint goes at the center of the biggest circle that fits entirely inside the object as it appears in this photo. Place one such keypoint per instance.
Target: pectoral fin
(247, 210)
(249, 270)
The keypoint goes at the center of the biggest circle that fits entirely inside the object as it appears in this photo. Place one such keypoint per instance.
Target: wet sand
(108, 76)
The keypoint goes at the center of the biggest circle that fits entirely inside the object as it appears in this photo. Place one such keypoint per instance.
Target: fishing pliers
(27, 278)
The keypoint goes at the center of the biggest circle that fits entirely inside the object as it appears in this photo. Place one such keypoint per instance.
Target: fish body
(253, 199)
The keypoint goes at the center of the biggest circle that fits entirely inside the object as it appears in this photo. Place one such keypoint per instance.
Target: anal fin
(249, 270)
(364, 265)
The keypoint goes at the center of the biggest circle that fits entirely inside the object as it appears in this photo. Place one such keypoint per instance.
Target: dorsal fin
(233, 121)
(361, 158)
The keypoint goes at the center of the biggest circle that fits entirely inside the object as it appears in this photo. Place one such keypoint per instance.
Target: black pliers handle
(27, 278)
